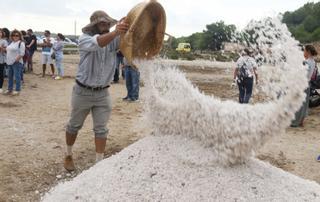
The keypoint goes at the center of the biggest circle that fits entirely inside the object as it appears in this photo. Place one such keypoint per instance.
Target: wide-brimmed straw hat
(144, 39)
(95, 18)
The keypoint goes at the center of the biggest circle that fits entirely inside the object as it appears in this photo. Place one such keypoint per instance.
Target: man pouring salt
(97, 47)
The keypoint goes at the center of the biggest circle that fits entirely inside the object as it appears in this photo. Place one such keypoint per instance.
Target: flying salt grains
(232, 130)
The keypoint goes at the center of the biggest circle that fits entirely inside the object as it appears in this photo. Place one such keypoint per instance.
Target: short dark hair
(6, 32)
(247, 51)
(311, 49)
(61, 36)
(23, 32)
(47, 31)
(30, 30)
(1, 33)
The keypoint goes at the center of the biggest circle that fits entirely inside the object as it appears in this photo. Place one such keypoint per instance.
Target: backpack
(243, 73)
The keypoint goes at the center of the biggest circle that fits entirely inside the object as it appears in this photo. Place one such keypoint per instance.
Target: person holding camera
(46, 53)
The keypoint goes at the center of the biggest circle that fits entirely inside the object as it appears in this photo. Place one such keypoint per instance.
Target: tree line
(304, 24)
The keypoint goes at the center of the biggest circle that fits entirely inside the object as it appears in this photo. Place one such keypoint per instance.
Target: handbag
(53, 55)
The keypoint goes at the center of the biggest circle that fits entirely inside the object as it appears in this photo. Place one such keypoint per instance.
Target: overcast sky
(184, 17)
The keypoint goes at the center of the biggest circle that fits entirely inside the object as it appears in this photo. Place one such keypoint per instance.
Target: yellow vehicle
(184, 47)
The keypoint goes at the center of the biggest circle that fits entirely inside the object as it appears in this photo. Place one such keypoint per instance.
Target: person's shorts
(46, 59)
(31, 52)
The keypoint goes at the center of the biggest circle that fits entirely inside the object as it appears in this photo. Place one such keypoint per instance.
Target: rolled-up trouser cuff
(101, 135)
(101, 132)
(71, 131)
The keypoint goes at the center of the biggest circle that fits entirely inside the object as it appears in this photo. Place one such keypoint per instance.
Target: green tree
(301, 34)
(210, 39)
(310, 23)
(304, 22)
(315, 35)
(216, 34)
(196, 40)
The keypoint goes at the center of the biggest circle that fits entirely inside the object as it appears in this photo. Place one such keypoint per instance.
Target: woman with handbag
(58, 55)
(15, 53)
(309, 53)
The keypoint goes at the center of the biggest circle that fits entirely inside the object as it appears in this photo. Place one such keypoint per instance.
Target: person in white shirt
(15, 52)
(243, 75)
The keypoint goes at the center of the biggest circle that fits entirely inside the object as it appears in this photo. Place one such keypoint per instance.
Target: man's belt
(91, 88)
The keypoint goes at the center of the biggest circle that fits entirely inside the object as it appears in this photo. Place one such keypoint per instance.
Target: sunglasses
(104, 23)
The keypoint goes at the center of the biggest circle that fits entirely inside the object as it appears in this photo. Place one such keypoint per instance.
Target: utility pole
(75, 29)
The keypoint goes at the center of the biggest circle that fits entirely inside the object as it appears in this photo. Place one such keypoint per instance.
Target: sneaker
(318, 158)
(7, 92)
(1, 91)
(68, 163)
(133, 100)
(125, 99)
(14, 93)
(57, 78)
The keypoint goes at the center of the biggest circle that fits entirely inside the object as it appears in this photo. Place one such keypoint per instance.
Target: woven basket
(143, 40)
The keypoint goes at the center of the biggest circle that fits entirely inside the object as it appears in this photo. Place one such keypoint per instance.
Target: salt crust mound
(171, 168)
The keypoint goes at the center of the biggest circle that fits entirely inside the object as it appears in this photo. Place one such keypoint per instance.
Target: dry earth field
(32, 131)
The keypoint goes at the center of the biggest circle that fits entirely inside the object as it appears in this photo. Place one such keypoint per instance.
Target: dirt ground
(32, 132)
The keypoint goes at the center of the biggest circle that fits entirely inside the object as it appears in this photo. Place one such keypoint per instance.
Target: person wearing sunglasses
(15, 53)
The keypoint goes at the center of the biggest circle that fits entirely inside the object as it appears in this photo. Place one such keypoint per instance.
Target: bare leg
(31, 64)
(68, 160)
(100, 144)
(52, 69)
(100, 147)
(70, 139)
(44, 66)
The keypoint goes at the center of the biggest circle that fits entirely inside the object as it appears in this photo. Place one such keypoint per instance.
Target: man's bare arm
(105, 39)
